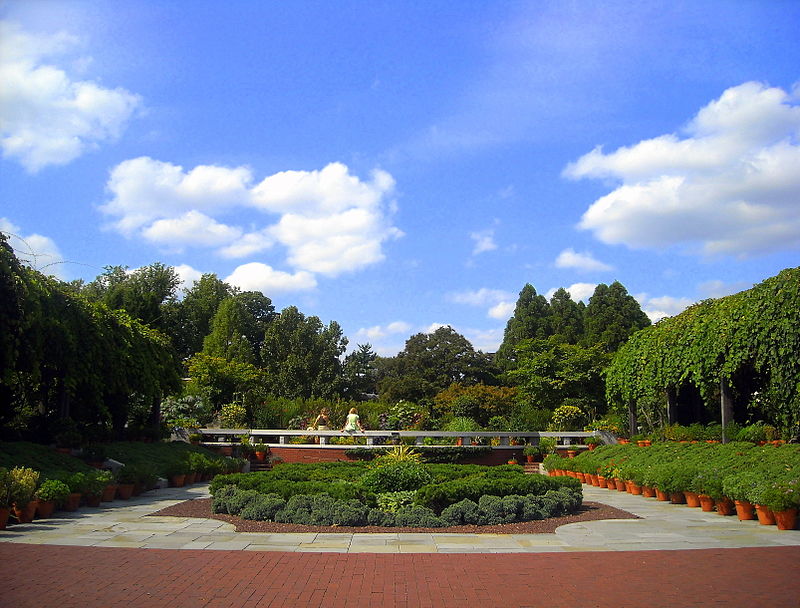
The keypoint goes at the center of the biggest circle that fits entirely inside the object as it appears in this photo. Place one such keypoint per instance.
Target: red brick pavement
(87, 577)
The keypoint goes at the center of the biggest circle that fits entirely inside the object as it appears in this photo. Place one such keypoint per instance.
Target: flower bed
(391, 492)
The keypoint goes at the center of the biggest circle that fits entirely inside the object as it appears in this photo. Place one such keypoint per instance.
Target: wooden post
(726, 406)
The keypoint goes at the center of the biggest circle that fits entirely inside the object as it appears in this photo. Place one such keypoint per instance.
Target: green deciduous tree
(429, 363)
(301, 356)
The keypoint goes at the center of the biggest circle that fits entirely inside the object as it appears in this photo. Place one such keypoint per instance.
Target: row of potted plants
(753, 481)
(25, 494)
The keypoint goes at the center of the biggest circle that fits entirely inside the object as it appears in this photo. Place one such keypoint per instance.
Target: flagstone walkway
(663, 526)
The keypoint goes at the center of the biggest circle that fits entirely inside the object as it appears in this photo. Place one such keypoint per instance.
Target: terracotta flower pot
(706, 502)
(765, 515)
(595, 480)
(677, 498)
(190, 478)
(177, 481)
(620, 483)
(25, 513)
(109, 493)
(73, 502)
(692, 499)
(786, 520)
(635, 488)
(45, 508)
(725, 506)
(92, 500)
(662, 496)
(744, 510)
(124, 491)
(601, 480)
(648, 492)
(4, 513)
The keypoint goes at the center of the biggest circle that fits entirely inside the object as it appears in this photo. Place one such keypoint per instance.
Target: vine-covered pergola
(743, 350)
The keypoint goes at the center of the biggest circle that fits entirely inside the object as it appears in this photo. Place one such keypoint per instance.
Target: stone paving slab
(663, 526)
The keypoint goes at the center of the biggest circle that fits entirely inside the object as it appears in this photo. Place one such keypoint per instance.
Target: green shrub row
(767, 475)
(326, 510)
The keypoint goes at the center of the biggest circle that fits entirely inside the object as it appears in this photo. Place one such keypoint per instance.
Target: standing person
(353, 422)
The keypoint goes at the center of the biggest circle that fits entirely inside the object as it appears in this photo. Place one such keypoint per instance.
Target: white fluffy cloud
(662, 306)
(569, 258)
(34, 250)
(484, 241)
(502, 311)
(328, 221)
(500, 303)
(256, 276)
(49, 118)
(730, 186)
(378, 332)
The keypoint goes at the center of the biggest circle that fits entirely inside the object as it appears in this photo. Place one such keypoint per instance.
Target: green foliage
(567, 418)
(23, 481)
(612, 316)
(755, 334)
(300, 356)
(233, 416)
(396, 477)
(478, 401)
(52, 490)
(417, 516)
(430, 363)
(263, 507)
(5, 487)
(529, 321)
(393, 501)
(553, 374)
(398, 454)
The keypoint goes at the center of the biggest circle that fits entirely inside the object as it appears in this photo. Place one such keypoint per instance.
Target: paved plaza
(117, 555)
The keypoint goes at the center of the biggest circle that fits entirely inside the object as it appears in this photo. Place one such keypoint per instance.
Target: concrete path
(664, 526)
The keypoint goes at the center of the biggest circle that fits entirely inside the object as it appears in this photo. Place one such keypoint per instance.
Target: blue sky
(394, 166)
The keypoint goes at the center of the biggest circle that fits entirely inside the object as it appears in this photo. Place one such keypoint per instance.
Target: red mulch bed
(590, 511)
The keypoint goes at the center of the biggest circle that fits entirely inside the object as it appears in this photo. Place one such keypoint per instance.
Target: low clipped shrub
(322, 510)
(263, 507)
(396, 477)
(219, 503)
(417, 516)
(462, 513)
(377, 517)
(240, 499)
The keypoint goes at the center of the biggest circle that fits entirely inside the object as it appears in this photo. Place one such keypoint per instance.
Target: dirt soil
(590, 511)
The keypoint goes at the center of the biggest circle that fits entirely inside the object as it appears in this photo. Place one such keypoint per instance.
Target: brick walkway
(87, 577)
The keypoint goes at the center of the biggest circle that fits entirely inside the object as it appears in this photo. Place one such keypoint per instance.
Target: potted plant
(534, 453)
(94, 484)
(50, 494)
(176, 473)
(23, 487)
(782, 497)
(593, 441)
(127, 477)
(261, 450)
(5, 497)
(75, 482)
(195, 438)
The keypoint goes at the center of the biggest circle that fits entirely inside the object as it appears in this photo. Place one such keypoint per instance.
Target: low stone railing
(283, 437)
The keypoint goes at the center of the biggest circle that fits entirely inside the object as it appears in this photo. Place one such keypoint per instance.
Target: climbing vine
(757, 330)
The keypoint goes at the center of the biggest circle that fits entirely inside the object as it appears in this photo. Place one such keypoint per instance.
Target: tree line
(108, 356)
